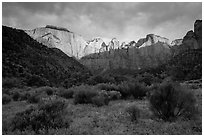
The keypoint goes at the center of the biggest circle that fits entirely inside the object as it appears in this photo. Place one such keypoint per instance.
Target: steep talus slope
(23, 57)
(56, 37)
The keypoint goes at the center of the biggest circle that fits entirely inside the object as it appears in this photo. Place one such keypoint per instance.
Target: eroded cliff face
(153, 50)
(198, 32)
(176, 42)
(146, 52)
(70, 43)
(94, 46)
(99, 54)
(192, 39)
(56, 37)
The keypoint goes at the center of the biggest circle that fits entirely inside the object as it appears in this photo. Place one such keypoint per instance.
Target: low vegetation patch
(16, 95)
(134, 112)
(34, 97)
(6, 99)
(65, 93)
(48, 90)
(10, 82)
(137, 90)
(83, 94)
(100, 100)
(114, 95)
(49, 114)
(169, 101)
(107, 87)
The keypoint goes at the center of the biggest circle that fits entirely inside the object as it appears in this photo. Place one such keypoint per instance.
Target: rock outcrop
(102, 54)
(114, 44)
(192, 40)
(198, 32)
(152, 39)
(57, 37)
(176, 42)
(153, 50)
(95, 45)
(70, 43)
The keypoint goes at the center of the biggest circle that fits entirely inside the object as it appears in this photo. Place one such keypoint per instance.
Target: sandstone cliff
(192, 39)
(99, 54)
(176, 42)
(57, 37)
(153, 51)
(151, 39)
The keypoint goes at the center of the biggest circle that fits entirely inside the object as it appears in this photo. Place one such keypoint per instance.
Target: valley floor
(113, 119)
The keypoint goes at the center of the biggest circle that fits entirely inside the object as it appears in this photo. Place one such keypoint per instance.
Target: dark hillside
(30, 61)
(186, 65)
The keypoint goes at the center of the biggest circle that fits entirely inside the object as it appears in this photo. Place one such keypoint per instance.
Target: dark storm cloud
(125, 21)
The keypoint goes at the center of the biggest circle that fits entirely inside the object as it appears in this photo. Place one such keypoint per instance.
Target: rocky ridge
(150, 52)
(192, 39)
(176, 42)
(147, 52)
(100, 54)
(76, 46)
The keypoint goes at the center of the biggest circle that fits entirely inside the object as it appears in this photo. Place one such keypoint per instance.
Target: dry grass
(113, 119)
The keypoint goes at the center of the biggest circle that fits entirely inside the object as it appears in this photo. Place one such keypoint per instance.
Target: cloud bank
(125, 21)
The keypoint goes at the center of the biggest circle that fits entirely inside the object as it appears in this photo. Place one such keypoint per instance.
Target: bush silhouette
(169, 101)
(65, 93)
(46, 89)
(34, 97)
(124, 89)
(84, 94)
(16, 96)
(137, 90)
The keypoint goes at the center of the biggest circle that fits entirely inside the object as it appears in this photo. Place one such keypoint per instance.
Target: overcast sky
(125, 21)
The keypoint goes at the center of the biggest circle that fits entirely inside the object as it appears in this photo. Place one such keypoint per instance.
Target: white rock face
(123, 45)
(153, 39)
(95, 45)
(176, 42)
(153, 51)
(70, 43)
(56, 37)
(75, 46)
(114, 44)
(126, 45)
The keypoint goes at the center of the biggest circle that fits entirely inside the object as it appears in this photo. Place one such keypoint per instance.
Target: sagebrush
(51, 113)
(170, 101)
